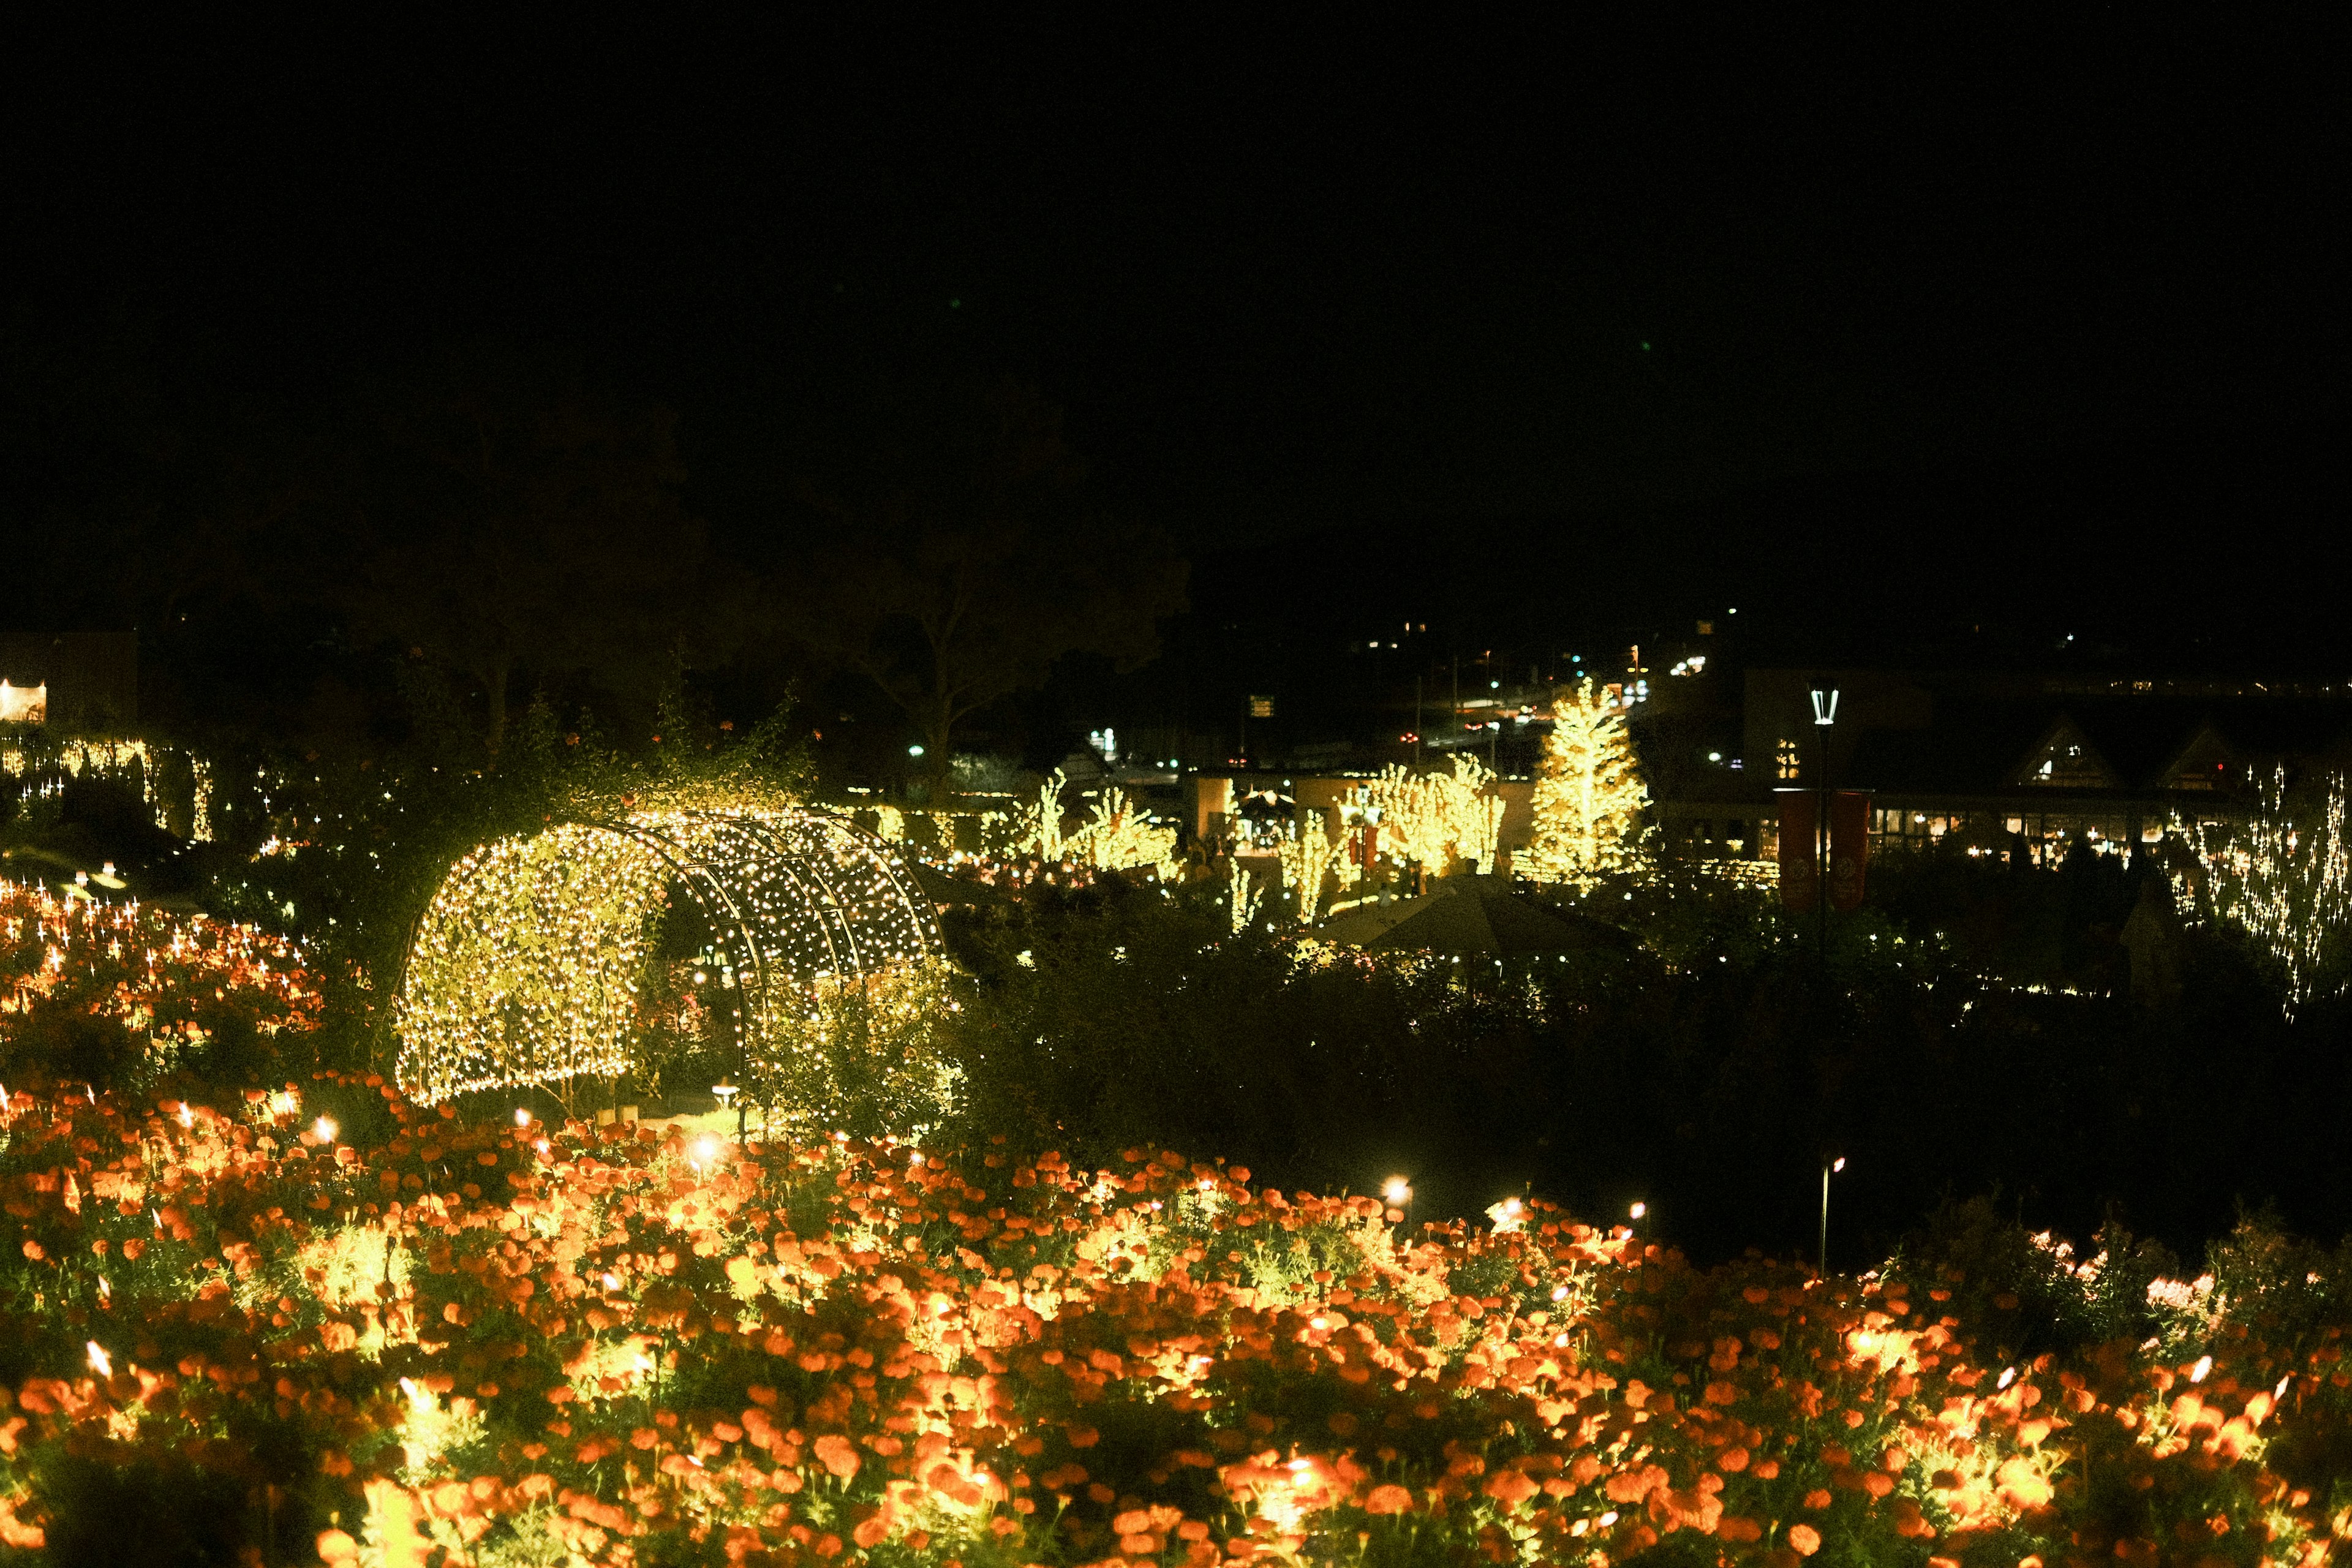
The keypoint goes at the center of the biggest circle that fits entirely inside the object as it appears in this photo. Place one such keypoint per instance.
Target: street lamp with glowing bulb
(1825, 706)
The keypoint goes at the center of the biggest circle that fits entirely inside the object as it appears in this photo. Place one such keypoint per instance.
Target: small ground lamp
(1637, 1214)
(1398, 1191)
(1830, 1167)
(726, 1092)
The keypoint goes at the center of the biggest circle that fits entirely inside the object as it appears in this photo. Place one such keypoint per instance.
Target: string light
(527, 965)
(2285, 879)
(1587, 794)
(144, 967)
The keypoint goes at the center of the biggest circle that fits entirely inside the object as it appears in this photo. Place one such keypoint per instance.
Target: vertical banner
(1800, 884)
(1849, 846)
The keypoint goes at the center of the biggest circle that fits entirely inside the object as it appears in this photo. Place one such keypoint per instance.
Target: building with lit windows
(2011, 764)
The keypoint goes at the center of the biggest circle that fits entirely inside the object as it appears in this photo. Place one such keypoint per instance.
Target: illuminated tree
(1243, 894)
(1309, 859)
(1118, 836)
(1431, 820)
(1038, 829)
(2285, 877)
(1587, 794)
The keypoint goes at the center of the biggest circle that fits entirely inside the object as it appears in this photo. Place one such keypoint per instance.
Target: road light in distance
(1830, 1167)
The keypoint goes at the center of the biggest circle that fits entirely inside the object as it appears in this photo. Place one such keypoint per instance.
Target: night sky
(1552, 331)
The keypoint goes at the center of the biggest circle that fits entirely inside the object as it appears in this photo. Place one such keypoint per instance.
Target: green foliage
(2024, 1293)
(379, 830)
(866, 1060)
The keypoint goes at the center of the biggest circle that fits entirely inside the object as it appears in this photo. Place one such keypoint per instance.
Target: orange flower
(1804, 1539)
(1390, 1498)
(833, 1451)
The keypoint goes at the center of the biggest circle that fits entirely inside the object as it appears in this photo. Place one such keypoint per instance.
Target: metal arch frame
(808, 852)
(805, 866)
(701, 885)
(833, 909)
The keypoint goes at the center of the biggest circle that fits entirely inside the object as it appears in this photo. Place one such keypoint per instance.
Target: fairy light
(1587, 793)
(145, 967)
(1432, 819)
(2285, 879)
(325, 1127)
(526, 967)
(1311, 855)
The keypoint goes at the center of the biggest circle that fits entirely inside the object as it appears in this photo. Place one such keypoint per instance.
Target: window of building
(1785, 754)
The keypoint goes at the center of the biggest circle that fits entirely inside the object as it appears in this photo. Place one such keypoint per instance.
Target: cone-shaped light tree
(1589, 792)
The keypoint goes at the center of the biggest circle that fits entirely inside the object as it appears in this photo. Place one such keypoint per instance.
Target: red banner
(1849, 846)
(1798, 881)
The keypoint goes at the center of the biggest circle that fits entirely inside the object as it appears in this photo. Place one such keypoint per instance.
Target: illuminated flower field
(159, 974)
(528, 1344)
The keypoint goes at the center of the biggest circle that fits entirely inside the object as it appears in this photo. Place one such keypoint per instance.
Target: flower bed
(522, 1344)
(169, 979)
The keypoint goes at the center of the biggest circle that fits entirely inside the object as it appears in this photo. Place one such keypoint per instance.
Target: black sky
(2043, 309)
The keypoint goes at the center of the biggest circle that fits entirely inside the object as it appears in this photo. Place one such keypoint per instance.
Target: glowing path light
(525, 967)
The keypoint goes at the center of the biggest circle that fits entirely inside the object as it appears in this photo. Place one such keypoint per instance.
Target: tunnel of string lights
(529, 964)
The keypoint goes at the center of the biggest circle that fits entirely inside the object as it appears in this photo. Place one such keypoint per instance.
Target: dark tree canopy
(961, 552)
(520, 526)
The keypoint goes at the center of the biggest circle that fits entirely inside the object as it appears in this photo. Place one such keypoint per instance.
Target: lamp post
(1829, 1167)
(1825, 704)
